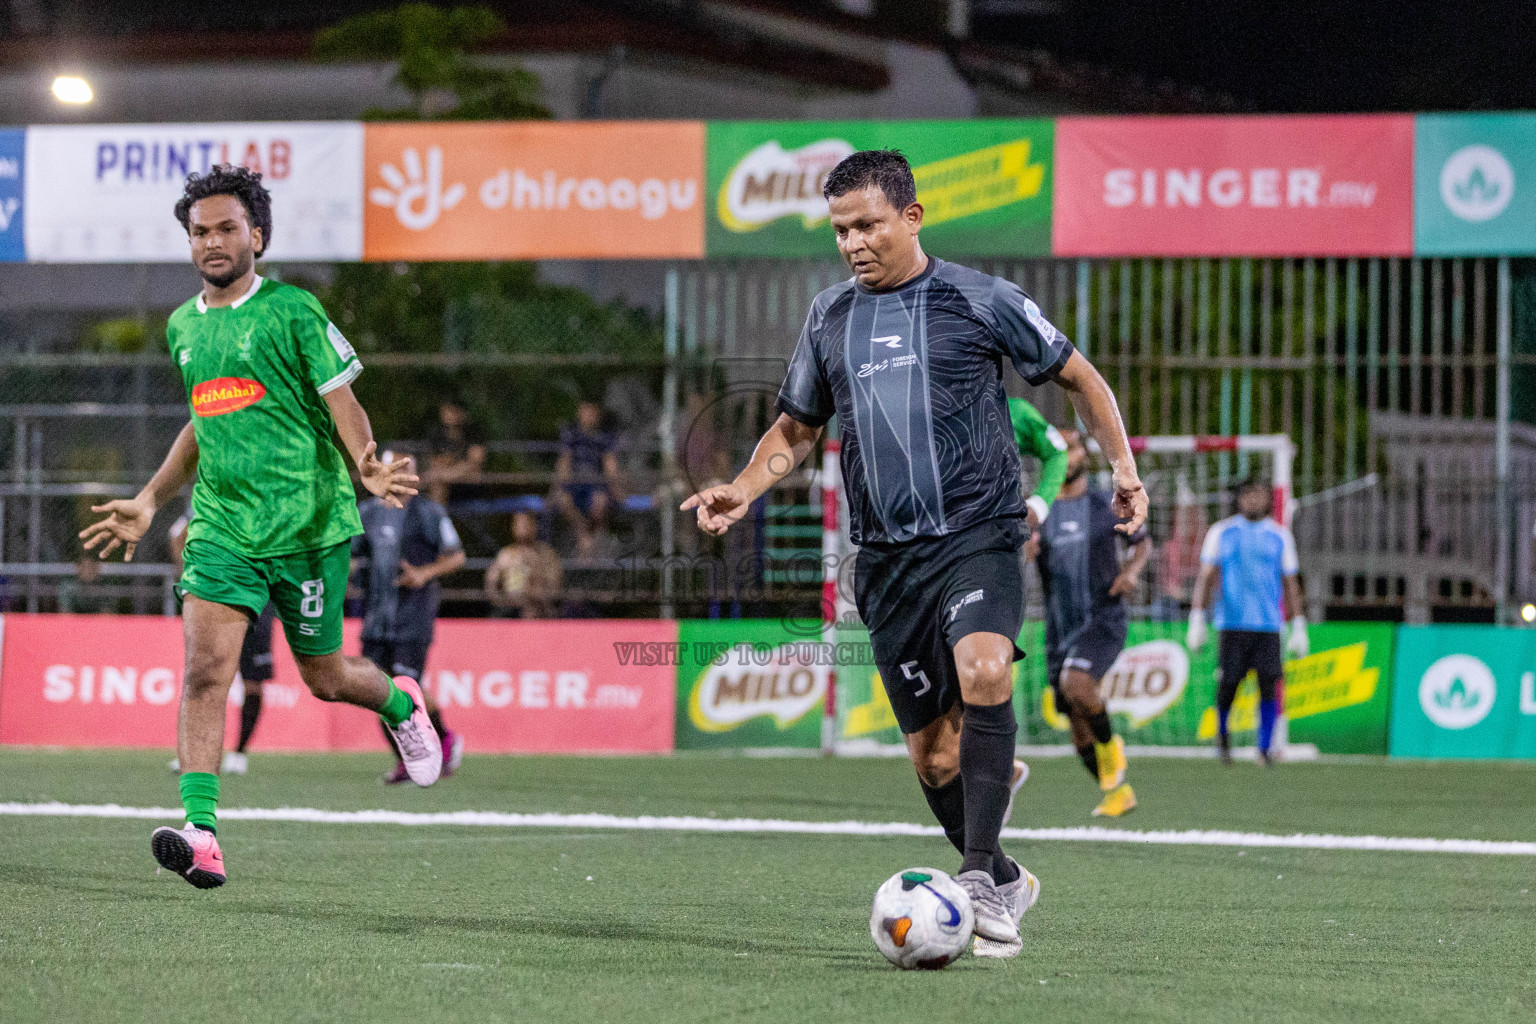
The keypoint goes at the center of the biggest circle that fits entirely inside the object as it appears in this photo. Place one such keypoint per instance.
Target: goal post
(1190, 481)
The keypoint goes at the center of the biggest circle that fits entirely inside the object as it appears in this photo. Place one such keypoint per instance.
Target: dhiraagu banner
(1465, 692)
(749, 683)
(985, 185)
(1159, 694)
(1474, 187)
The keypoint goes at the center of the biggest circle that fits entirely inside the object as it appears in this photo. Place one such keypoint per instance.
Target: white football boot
(1021, 894)
(994, 912)
(416, 740)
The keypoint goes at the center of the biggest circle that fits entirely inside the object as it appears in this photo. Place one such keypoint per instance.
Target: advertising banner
(105, 193)
(749, 683)
(1474, 184)
(535, 190)
(985, 185)
(1159, 694)
(1339, 185)
(1464, 692)
(13, 162)
(507, 686)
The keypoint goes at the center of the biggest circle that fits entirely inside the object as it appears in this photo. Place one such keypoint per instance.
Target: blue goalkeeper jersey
(1253, 558)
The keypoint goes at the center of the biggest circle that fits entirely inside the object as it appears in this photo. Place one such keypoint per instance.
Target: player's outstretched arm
(1095, 403)
(782, 448)
(128, 519)
(394, 482)
(1034, 436)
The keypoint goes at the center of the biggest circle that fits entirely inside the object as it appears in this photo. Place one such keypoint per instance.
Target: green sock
(398, 707)
(200, 796)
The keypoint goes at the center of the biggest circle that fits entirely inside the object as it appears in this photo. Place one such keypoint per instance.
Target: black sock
(986, 768)
(1099, 725)
(1090, 760)
(948, 805)
(437, 723)
(249, 712)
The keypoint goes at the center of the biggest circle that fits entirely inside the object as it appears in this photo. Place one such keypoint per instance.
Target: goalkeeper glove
(1196, 637)
(1297, 645)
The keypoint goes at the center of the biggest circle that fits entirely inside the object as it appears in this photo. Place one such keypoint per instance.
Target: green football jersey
(269, 480)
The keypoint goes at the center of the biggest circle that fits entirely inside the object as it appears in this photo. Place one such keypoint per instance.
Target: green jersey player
(273, 511)
(1034, 435)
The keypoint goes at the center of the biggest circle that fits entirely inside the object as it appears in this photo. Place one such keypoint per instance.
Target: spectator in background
(586, 476)
(79, 594)
(526, 578)
(455, 453)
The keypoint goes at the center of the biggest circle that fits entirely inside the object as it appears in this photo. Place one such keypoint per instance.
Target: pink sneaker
(191, 852)
(416, 740)
(453, 752)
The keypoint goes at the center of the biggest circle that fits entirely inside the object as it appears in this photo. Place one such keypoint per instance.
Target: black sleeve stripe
(801, 416)
(1050, 372)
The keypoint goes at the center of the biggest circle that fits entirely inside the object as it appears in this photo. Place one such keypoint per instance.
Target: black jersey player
(909, 354)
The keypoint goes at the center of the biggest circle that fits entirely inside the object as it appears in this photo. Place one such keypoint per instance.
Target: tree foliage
(430, 47)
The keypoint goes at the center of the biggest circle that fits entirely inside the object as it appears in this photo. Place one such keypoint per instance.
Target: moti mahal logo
(225, 394)
(1457, 691)
(1477, 183)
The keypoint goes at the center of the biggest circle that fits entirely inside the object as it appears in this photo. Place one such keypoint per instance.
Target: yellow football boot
(1112, 764)
(1118, 801)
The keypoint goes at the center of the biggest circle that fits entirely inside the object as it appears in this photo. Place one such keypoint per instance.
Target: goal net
(1158, 692)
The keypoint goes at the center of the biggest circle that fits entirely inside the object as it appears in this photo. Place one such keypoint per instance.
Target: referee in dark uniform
(909, 355)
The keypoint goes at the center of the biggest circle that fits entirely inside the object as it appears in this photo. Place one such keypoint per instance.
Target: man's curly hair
(230, 180)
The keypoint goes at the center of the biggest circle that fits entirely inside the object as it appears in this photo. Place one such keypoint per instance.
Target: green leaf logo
(1476, 188)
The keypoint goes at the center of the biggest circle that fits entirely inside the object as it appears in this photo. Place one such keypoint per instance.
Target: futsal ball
(922, 919)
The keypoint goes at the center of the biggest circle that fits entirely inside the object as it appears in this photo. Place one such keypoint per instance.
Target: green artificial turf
(446, 924)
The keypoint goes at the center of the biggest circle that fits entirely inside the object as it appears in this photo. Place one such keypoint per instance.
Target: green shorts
(307, 588)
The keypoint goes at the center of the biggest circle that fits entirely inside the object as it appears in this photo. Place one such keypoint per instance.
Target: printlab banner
(985, 185)
(105, 193)
(1234, 186)
(750, 683)
(13, 152)
(1475, 184)
(507, 686)
(1465, 692)
(535, 190)
(1336, 697)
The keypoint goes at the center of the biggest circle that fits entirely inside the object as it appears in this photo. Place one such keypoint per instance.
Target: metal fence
(1392, 377)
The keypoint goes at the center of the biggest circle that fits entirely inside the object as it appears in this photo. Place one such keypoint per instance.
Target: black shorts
(920, 598)
(398, 657)
(256, 650)
(1240, 651)
(1092, 648)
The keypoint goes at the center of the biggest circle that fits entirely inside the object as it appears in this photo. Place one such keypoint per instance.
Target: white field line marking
(652, 823)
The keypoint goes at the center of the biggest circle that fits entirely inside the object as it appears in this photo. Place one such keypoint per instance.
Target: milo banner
(1158, 693)
(1464, 692)
(749, 683)
(985, 185)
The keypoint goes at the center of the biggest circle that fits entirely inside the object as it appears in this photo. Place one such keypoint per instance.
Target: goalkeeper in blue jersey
(1252, 560)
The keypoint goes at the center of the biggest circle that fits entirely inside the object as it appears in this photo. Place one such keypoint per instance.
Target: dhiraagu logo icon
(1477, 183)
(1457, 691)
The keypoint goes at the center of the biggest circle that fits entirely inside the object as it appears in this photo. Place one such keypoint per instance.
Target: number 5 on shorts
(906, 670)
(313, 604)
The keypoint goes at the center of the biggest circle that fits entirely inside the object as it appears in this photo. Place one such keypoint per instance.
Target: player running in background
(1255, 560)
(1077, 551)
(1034, 436)
(908, 354)
(408, 550)
(268, 379)
(255, 667)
